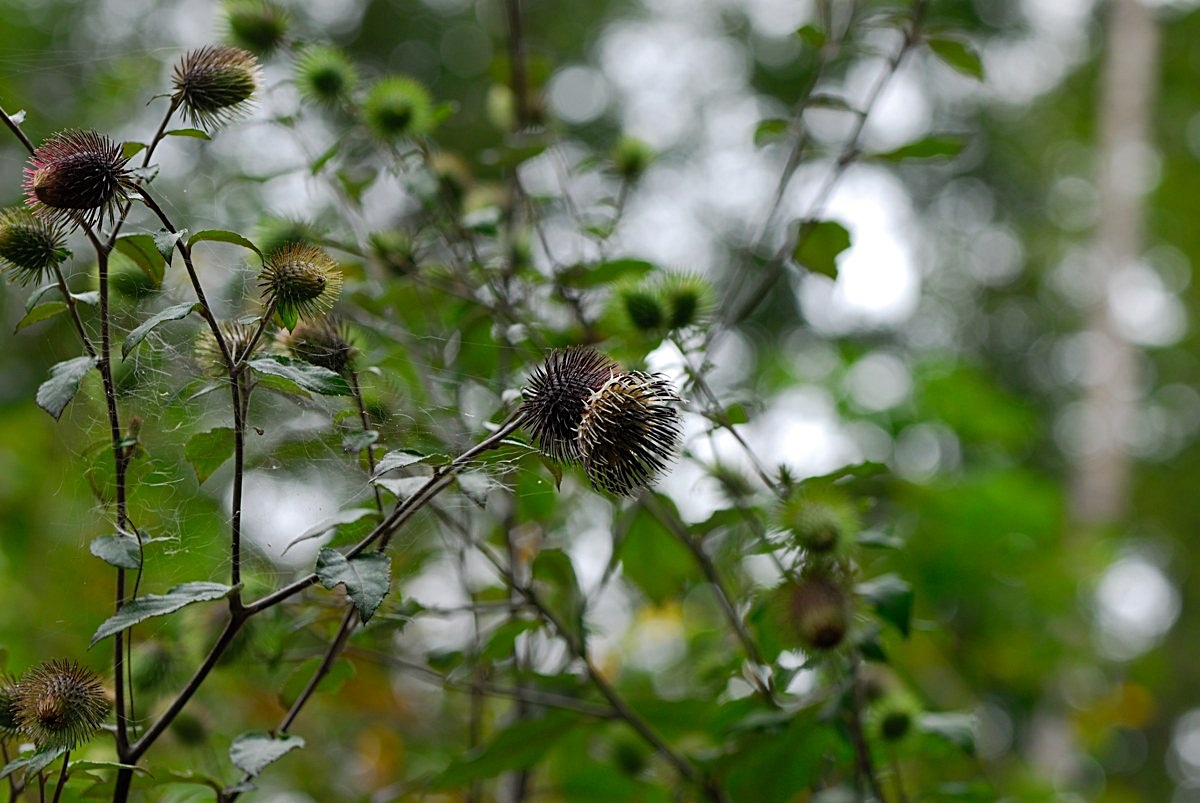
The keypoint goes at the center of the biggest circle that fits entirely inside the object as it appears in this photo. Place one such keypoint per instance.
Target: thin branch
(62, 777)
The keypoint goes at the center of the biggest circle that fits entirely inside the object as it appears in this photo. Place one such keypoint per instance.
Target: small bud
(629, 431)
(60, 704)
(30, 246)
(818, 612)
(556, 395)
(208, 355)
(324, 342)
(215, 83)
(396, 107)
(256, 25)
(631, 157)
(325, 75)
(301, 282)
(77, 177)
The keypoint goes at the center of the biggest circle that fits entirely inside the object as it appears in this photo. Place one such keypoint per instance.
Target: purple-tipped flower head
(215, 83)
(77, 177)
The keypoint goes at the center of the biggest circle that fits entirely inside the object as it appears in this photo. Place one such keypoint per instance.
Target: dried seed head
(208, 353)
(30, 246)
(60, 704)
(301, 281)
(9, 724)
(556, 395)
(629, 431)
(256, 25)
(215, 83)
(398, 107)
(324, 342)
(325, 75)
(817, 611)
(77, 177)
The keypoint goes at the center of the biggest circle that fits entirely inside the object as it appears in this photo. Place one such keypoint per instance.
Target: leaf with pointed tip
(818, 243)
(40, 313)
(931, 147)
(367, 577)
(769, 130)
(121, 551)
(91, 297)
(306, 375)
(342, 517)
(152, 605)
(174, 313)
(253, 752)
(32, 764)
(892, 598)
(40, 293)
(206, 451)
(958, 55)
(359, 440)
(56, 393)
(222, 236)
(165, 242)
(398, 458)
(195, 133)
(142, 250)
(130, 149)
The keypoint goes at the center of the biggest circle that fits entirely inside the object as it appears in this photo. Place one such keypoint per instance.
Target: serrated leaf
(194, 133)
(32, 764)
(306, 375)
(892, 598)
(818, 243)
(768, 130)
(145, 254)
(517, 747)
(56, 393)
(931, 147)
(367, 577)
(958, 55)
(253, 752)
(152, 605)
(174, 313)
(397, 458)
(354, 442)
(121, 551)
(584, 276)
(222, 236)
(130, 149)
(957, 728)
(40, 313)
(165, 242)
(206, 451)
(341, 517)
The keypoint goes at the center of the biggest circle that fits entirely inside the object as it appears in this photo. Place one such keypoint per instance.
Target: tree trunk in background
(1101, 471)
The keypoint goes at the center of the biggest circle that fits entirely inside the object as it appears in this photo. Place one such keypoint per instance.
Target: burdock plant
(214, 84)
(556, 395)
(324, 342)
(59, 704)
(77, 177)
(30, 246)
(300, 282)
(629, 432)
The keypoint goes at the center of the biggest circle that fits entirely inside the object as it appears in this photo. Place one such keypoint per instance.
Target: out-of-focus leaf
(142, 249)
(892, 599)
(818, 243)
(206, 451)
(367, 577)
(958, 728)
(502, 642)
(151, 605)
(253, 752)
(554, 575)
(653, 559)
(130, 149)
(340, 672)
(812, 36)
(56, 393)
(931, 147)
(957, 54)
(359, 440)
(517, 747)
(194, 133)
(769, 130)
(585, 276)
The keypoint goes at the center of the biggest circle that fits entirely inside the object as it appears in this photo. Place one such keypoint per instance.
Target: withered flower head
(324, 342)
(77, 177)
(208, 353)
(60, 704)
(629, 431)
(556, 395)
(30, 246)
(817, 611)
(214, 84)
(301, 281)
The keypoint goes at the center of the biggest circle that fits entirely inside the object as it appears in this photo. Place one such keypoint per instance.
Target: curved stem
(62, 777)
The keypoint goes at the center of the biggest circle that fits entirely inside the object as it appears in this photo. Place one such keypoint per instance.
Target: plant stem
(62, 777)
(864, 767)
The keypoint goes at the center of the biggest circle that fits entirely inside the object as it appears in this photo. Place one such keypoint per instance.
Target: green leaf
(306, 375)
(83, 765)
(367, 577)
(517, 747)
(253, 752)
(768, 130)
(957, 728)
(174, 313)
(892, 599)
(774, 765)
(503, 640)
(206, 451)
(56, 393)
(931, 147)
(340, 672)
(40, 293)
(958, 55)
(165, 242)
(341, 517)
(122, 551)
(32, 764)
(555, 574)
(359, 440)
(40, 313)
(584, 276)
(818, 243)
(151, 605)
(398, 458)
(653, 559)
(223, 236)
(131, 149)
(195, 133)
(142, 249)
(812, 36)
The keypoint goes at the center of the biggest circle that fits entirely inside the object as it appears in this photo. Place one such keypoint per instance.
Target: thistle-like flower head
(10, 726)
(397, 107)
(60, 704)
(77, 177)
(629, 431)
(301, 281)
(817, 611)
(325, 75)
(556, 395)
(214, 84)
(256, 25)
(208, 354)
(30, 246)
(324, 342)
